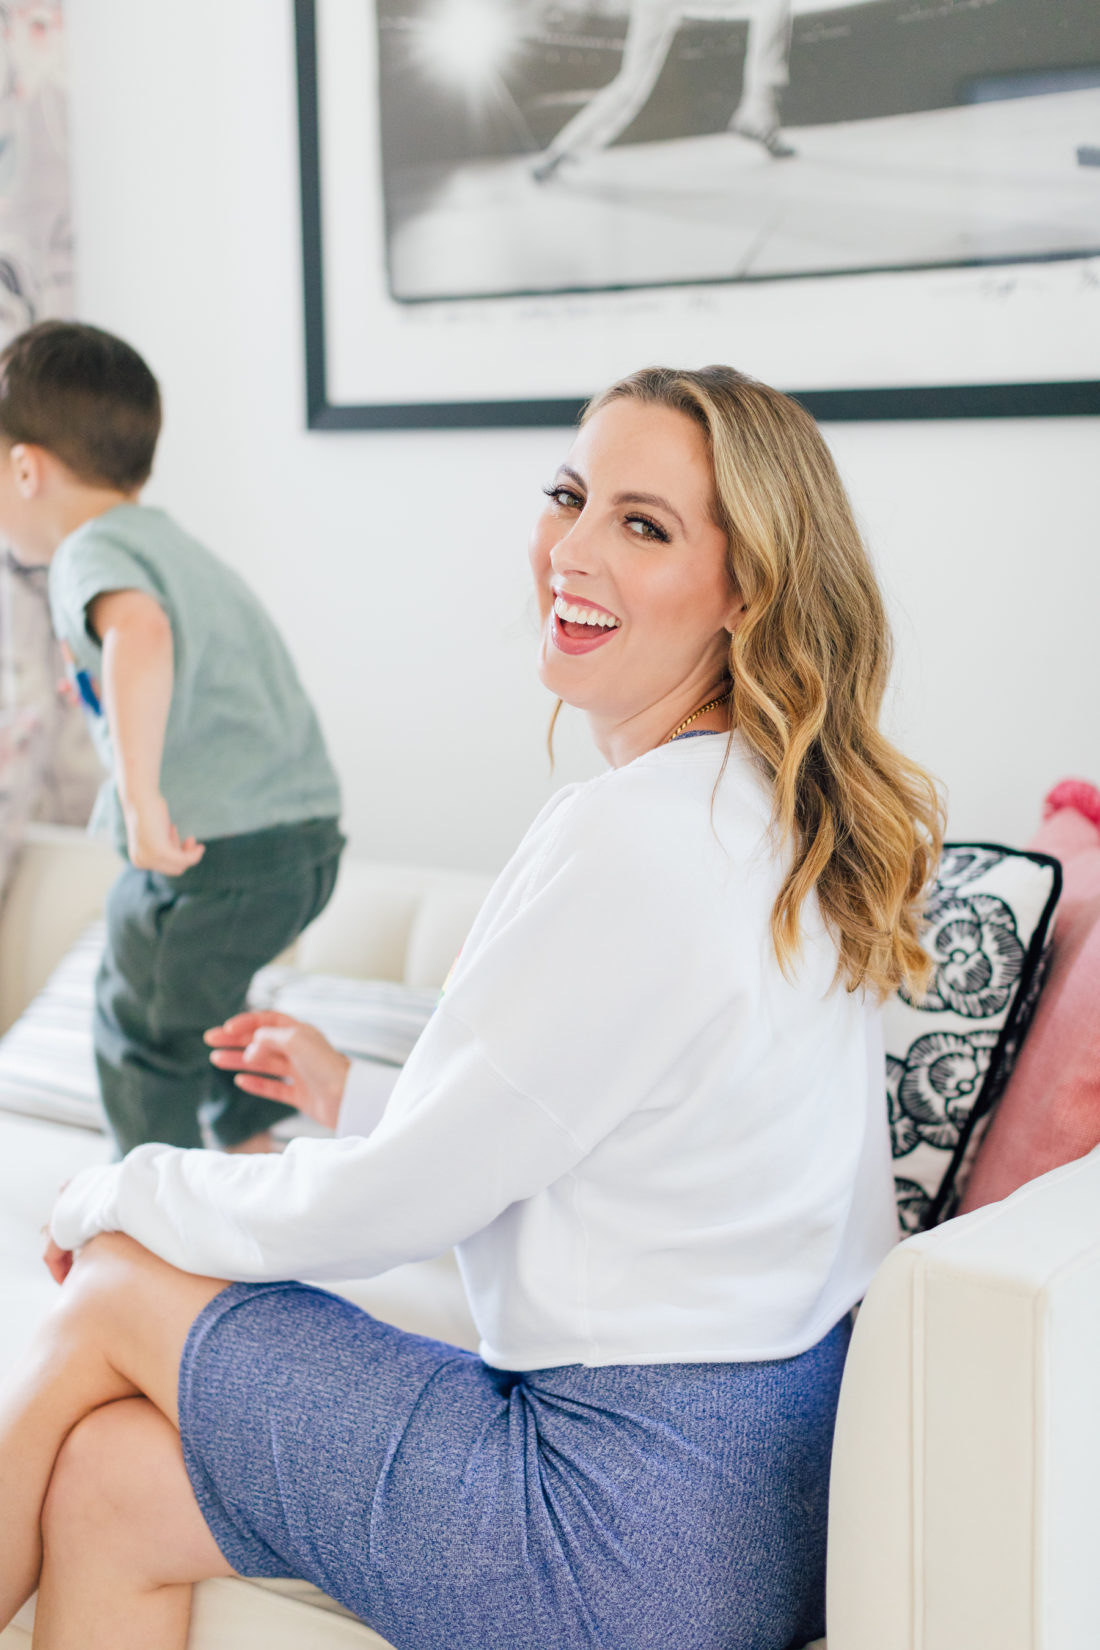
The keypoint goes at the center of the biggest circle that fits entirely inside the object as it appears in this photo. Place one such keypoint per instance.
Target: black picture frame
(1052, 399)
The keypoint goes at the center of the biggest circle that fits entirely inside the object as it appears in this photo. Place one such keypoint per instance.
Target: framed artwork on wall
(53, 767)
(890, 208)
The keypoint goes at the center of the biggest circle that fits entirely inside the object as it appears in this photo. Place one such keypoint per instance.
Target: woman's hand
(282, 1059)
(59, 1262)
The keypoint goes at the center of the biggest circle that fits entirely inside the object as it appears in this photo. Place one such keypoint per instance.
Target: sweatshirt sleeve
(469, 1146)
(366, 1092)
(569, 1003)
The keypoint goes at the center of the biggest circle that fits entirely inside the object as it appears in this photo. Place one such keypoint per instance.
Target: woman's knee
(132, 1308)
(115, 1278)
(98, 1493)
(109, 1261)
(120, 1501)
(107, 1273)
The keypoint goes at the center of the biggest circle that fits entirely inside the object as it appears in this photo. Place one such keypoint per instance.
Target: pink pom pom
(1077, 794)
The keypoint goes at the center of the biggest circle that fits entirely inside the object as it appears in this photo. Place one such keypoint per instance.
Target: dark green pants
(180, 956)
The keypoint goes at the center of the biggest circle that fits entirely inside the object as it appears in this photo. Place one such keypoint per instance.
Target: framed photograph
(889, 208)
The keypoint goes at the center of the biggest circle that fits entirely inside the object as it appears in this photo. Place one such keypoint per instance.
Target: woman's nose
(574, 552)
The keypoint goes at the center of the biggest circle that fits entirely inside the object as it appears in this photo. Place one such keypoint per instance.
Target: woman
(649, 1111)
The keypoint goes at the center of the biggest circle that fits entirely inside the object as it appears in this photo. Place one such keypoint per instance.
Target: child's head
(79, 412)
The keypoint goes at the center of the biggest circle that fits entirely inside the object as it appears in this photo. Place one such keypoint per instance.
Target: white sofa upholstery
(963, 1508)
(968, 1443)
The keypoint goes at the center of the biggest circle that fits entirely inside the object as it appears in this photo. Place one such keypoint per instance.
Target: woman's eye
(643, 528)
(565, 496)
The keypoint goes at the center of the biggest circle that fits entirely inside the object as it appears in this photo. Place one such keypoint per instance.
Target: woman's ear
(735, 613)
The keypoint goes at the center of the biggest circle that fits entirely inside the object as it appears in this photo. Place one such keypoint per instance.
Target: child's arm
(137, 690)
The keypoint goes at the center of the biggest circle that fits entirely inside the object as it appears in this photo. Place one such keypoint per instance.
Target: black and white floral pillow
(949, 1051)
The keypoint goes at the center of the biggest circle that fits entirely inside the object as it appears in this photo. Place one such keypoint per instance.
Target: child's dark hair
(84, 396)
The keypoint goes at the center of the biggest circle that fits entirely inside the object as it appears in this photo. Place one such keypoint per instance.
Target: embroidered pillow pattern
(949, 1051)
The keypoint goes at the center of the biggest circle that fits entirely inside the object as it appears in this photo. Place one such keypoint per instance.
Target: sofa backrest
(392, 922)
(56, 889)
(384, 922)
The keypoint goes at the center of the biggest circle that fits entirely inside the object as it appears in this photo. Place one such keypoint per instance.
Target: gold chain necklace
(712, 704)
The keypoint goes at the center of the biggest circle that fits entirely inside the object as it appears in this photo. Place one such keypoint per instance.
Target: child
(222, 796)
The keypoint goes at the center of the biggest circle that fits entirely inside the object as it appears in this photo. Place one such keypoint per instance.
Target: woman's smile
(578, 626)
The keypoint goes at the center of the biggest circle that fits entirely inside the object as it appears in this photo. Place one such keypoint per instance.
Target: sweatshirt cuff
(366, 1093)
(86, 1206)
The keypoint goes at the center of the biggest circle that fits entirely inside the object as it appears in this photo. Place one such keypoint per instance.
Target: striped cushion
(47, 1069)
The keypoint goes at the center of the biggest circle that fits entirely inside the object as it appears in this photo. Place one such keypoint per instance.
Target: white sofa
(968, 1442)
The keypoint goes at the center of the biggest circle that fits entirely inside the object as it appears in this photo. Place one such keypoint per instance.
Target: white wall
(395, 562)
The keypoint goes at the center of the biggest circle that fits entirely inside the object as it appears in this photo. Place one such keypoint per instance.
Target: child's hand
(153, 843)
(282, 1059)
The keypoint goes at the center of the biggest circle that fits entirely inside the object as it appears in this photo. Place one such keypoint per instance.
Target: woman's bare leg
(117, 1331)
(123, 1536)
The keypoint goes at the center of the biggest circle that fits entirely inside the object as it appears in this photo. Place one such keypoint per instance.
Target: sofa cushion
(949, 1050)
(1049, 1113)
(243, 1615)
(229, 1614)
(392, 922)
(35, 1159)
(47, 1068)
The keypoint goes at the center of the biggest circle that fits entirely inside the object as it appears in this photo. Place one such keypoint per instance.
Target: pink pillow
(1049, 1113)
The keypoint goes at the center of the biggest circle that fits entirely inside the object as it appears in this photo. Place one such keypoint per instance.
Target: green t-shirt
(242, 749)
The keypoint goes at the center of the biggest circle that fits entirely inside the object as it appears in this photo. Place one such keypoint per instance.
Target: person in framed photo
(651, 29)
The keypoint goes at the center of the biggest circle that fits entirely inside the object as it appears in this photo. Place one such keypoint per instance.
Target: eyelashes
(655, 530)
(569, 499)
(556, 493)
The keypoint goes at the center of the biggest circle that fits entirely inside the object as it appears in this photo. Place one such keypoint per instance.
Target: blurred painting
(36, 281)
(36, 251)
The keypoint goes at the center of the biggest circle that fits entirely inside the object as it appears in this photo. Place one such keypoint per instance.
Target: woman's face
(635, 602)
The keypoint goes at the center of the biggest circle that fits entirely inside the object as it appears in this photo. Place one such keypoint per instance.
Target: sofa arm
(58, 887)
(963, 1504)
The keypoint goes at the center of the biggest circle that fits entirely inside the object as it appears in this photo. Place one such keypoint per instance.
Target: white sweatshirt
(647, 1145)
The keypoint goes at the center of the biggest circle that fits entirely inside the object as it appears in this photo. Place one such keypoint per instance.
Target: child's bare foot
(265, 1142)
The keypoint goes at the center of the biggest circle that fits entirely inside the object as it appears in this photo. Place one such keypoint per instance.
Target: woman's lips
(584, 638)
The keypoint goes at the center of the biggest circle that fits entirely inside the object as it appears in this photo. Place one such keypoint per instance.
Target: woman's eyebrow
(629, 498)
(650, 498)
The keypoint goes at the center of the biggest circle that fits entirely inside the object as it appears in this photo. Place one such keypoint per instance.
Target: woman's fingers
(272, 1040)
(273, 1061)
(279, 1058)
(265, 1067)
(271, 1049)
(58, 1261)
(269, 1088)
(269, 1042)
(241, 1028)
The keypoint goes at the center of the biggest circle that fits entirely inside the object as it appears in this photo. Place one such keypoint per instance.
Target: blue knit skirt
(453, 1506)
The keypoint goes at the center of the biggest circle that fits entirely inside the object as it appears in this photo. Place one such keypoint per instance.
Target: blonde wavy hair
(808, 668)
